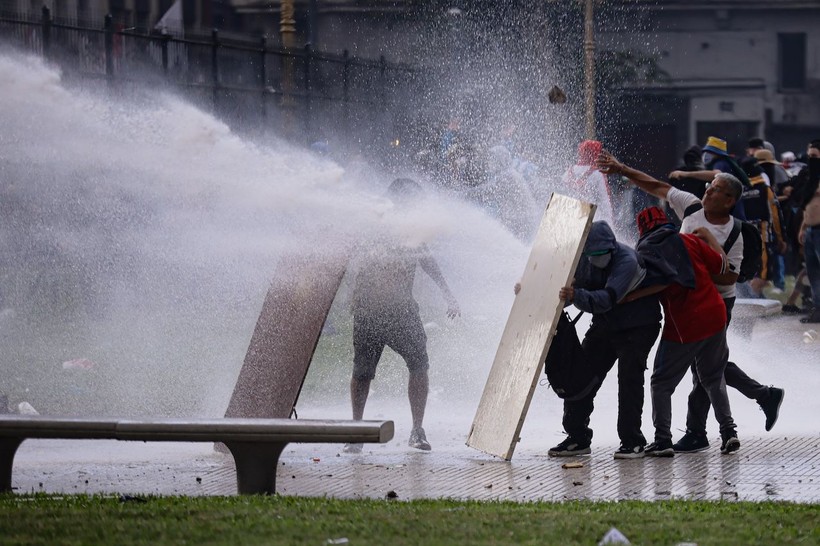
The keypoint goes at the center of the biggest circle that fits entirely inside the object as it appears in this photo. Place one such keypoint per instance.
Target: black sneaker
(771, 407)
(691, 442)
(569, 448)
(660, 449)
(625, 452)
(814, 318)
(730, 442)
(789, 309)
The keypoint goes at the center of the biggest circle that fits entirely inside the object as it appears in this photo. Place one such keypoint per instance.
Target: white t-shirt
(680, 201)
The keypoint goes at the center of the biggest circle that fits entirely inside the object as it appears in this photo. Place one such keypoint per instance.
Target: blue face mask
(600, 261)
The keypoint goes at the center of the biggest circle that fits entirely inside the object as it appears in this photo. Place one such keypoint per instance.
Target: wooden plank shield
(286, 335)
(530, 327)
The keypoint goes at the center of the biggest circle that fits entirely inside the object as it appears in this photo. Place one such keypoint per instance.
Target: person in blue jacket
(620, 331)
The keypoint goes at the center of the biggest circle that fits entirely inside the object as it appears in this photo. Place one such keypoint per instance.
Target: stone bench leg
(8, 447)
(256, 464)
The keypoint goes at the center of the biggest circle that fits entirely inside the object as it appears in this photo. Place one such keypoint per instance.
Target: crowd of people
(689, 262)
(777, 198)
(780, 199)
(721, 228)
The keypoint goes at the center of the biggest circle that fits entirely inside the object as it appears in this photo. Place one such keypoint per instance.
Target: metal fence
(301, 94)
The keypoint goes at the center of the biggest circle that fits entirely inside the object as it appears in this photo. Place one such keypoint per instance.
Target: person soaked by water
(620, 331)
(385, 313)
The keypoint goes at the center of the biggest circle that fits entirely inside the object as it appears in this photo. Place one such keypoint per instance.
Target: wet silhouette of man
(386, 314)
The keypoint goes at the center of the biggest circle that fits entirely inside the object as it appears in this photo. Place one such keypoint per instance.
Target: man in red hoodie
(681, 266)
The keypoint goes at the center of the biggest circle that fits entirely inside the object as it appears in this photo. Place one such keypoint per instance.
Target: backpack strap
(733, 235)
(573, 321)
(692, 209)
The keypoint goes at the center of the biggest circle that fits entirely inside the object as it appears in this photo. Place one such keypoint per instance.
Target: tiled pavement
(780, 465)
(776, 468)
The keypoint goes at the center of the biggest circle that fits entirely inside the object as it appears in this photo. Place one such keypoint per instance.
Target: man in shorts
(385, 313)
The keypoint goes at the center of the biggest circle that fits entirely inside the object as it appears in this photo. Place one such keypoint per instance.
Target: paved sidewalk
(781, 465)
(783, 469)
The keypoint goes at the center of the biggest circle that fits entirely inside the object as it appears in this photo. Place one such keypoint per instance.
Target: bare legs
(418, 386)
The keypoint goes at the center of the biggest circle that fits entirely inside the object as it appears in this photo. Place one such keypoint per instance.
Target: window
(791, 61)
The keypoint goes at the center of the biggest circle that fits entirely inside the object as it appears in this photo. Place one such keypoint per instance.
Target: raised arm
(608, 164)
(706, 176)
(639, 293)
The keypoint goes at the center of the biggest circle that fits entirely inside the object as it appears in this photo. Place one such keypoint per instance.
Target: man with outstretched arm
(385, 314)
(713, 213)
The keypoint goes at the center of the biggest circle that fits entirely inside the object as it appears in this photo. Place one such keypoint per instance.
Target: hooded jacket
(666, 258)
(598, 290)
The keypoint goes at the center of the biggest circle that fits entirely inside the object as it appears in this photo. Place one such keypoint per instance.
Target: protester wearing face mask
(626, 332)
(716, 159)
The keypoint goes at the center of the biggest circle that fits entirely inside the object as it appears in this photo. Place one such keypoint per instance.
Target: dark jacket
(598, 290)
(666, 258)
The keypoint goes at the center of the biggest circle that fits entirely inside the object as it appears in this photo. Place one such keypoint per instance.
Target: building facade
(737, 69)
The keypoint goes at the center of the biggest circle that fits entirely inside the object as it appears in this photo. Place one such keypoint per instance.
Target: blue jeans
(779, 274)
(811, 248)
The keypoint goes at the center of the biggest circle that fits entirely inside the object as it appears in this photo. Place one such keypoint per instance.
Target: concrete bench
(254, 443)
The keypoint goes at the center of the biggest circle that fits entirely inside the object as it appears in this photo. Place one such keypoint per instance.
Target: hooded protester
(694, 333)
(625, 332)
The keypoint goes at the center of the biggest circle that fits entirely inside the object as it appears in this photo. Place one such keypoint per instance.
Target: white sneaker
(418, 440)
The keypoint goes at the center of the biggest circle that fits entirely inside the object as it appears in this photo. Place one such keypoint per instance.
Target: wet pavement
(782, 465)
(777, 468)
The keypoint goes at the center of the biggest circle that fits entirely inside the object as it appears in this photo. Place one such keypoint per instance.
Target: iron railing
(300, 93)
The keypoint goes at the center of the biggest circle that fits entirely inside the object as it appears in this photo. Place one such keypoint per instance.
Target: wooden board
(286, 335)
(530, 327)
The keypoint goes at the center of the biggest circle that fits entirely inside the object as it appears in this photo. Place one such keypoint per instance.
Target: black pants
(603, 347)
(698, 406)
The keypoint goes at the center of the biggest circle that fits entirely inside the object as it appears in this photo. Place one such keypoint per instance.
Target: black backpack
(568, 371)
(752, 245)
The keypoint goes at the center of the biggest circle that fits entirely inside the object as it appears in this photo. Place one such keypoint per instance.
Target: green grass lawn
(48, 519)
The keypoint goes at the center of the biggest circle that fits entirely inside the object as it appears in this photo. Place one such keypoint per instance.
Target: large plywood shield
(530, 326)
(286, 335)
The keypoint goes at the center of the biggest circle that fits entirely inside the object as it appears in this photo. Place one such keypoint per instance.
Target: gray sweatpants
(707, 358)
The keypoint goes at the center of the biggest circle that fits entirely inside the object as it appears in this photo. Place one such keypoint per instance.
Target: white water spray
(143, 234)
